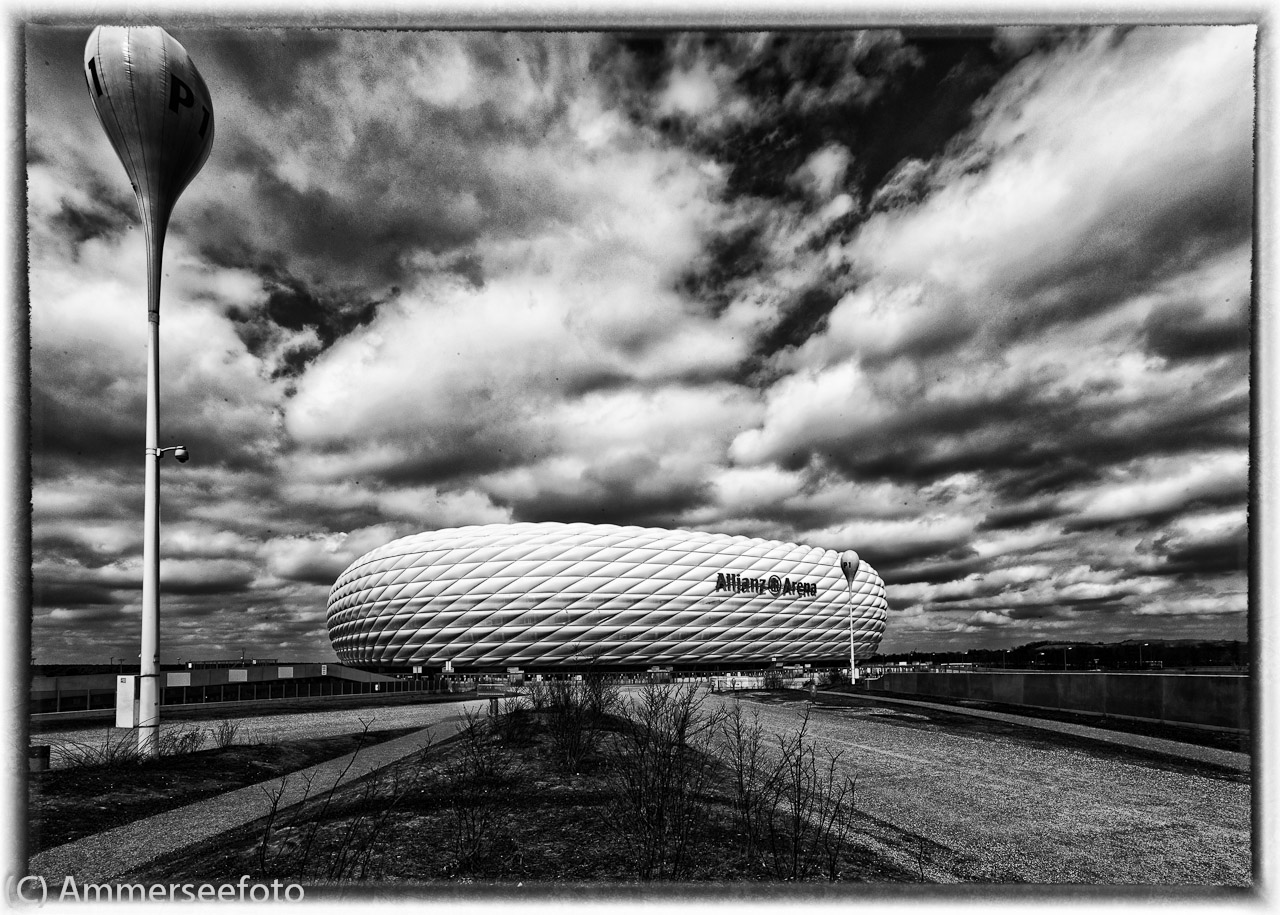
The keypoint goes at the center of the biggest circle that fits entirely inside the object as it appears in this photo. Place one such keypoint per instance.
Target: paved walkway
(125, 848)
(1240, 762)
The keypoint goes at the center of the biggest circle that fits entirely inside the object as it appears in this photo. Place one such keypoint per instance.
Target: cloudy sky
(975, 304)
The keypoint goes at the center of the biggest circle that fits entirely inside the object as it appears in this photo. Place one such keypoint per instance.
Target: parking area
(989, 801)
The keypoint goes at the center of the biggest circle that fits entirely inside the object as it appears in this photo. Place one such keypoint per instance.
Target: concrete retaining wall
(1201, 700)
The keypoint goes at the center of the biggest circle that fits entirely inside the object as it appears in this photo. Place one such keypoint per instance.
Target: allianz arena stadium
(552, 596)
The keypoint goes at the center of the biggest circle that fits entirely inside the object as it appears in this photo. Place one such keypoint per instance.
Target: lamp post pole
(149, 673)
(156, 111)
(849, 563)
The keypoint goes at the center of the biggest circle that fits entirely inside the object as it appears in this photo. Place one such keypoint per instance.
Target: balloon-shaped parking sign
(849, 564)
(156, 109)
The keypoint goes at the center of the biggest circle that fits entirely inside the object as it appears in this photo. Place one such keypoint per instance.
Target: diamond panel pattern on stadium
(548, 594)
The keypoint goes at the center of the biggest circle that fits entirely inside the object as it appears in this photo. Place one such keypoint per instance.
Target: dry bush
(336, 835)
(569, 723)
(181, 740)
(601, 694)
(120, 747)
(743, 749)
(539, 694)
(662, 769)
(513, 721)
(474, 785)
(117, 749)
(225, 733)
(808, 808)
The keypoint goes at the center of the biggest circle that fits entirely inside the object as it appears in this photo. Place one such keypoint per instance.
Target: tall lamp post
(849, 563)
(156, 110)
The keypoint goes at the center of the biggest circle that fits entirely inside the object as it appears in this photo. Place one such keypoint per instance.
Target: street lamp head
(849, 562)
(157, 112)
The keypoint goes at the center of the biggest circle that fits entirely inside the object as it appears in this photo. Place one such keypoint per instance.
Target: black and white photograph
(753, 458)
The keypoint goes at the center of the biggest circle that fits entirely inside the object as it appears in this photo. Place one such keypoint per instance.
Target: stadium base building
(575, 597)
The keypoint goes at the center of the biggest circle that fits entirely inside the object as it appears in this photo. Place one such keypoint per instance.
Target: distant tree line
(1131, 654)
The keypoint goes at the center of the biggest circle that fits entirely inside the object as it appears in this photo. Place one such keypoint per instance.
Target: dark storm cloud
(889, 95)
(952, 547)
(1127, 254)
(376, 187)
(291, 306)
(1185, 330)
(70, 427)
(1215, 552)
(70, 594)
(626, 492)
(1016, 516)
(71, 434)
(460, 450)
(265, 65)
(732, 254)
(231, 584)
(107, 215)
(1041, 611)
(804, 316)
(1028, 483)
(929, 572)
(1205, 558)
(1030, 441)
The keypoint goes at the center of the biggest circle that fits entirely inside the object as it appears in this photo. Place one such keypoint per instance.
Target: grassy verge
(67, 804)
(215, 711)
(525, 799)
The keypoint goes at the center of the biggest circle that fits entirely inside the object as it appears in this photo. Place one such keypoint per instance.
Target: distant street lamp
(1141, 664)
(156, 110)
(849, 563)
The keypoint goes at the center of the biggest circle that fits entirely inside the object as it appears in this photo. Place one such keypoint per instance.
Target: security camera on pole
(849, 563)
(156, 110)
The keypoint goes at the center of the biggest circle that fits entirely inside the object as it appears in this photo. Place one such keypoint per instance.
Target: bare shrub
(512, 721)
(662, 770)
(482, 756)
(181, 740)
(601, 694)
(806, 808)
(539, 694)
(119, 747)
(368, 814)
(225, 733)
(291, 846)
(116, 749)
(473, 785)
(569, 723)
(754, 776)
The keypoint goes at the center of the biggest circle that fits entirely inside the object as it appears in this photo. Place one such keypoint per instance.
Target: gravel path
(125, 848)
(999, 803)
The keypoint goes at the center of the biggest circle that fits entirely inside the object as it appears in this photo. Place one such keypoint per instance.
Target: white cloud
(822, 174)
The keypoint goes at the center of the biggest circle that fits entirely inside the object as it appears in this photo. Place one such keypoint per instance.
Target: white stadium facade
(559, 597)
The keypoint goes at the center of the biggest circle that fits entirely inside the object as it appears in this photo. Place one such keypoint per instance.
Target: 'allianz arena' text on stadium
(576, 596)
